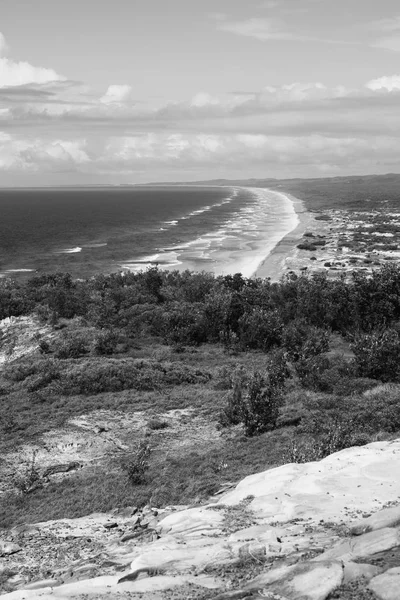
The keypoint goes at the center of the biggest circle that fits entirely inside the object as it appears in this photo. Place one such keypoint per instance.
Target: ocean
(85, 231)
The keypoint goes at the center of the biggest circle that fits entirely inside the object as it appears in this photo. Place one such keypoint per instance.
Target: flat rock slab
(334, 489)
(353, 571)
(300, 511)
(94, 588)
(387, 585)
(305, 581)
(388, 517)
(192, 522)
(363, 546)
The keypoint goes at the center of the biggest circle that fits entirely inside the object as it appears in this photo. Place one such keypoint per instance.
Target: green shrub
(261, 405)
(260, 329)
(30, 480)
(307, 246)
(303, 341)
(114, 375)
(136, 464)
(70, 346)
(377, 355)
(157, 424)
(106, 343)
(231, 414)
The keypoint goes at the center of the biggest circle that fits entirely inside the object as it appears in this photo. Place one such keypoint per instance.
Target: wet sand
(274, 266)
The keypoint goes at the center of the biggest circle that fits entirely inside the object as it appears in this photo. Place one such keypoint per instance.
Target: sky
(133, 91)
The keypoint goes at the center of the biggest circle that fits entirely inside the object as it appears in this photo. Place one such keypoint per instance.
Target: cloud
(22, 73)
(117, 94)
(384, 83)
(388, 43)
(388, 24)
(272, 29)
(52, 126)
(259, 28)
(390, 27)
(3, 45)
(40, 155)
(203, 99)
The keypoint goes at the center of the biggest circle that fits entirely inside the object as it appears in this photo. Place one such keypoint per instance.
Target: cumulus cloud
(21, 73)
(40, 155)
(203, 99)
(54, 128)
(388, 83)
(117, 94)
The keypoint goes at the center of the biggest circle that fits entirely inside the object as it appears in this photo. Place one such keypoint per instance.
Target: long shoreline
(273, 267)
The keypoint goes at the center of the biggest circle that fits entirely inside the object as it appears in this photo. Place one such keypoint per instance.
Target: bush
(303, 341)
(30, 480)
(331, 375)
(232, 413)
(157, 424)
(261, 406)
(184, 325)
(307, 246)
(105, 343)
(136, 464)
(377, 355)
(71, 346)
(113, 375)
(260, 330)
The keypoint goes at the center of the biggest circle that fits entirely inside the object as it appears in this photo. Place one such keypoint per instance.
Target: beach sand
(275, 264)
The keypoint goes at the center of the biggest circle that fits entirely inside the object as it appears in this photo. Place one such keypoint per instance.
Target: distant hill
(364, 192)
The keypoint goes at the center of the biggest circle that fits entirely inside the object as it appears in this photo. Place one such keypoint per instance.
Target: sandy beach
(274, 266)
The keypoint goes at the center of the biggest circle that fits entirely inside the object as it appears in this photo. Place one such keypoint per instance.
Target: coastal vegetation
(267, 372)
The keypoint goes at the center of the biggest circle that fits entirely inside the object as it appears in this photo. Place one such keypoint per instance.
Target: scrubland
(202, 380)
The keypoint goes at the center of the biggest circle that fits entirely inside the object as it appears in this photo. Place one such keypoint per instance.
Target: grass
(190, 459)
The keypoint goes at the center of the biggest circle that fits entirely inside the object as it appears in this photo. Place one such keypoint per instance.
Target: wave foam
(70, 250)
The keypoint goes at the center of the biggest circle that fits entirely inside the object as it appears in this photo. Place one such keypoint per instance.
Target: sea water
(92, 230)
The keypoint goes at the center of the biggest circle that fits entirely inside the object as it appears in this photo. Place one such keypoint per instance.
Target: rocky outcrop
(296, 532)
(19, 336)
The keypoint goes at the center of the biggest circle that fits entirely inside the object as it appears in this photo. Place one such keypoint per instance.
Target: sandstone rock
(363, 546)
(387, 585)
(110, 525)
(8, 548)
(131, 535)
(149, 522)
(99, 586)
(388, 517)
(25, 529)
(353, 571)
(193, 521)
(132, 523)
(42, 584)
(307, 580)
(355, 479)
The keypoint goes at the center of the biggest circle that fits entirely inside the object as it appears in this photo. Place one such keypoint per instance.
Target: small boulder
(110, 525)
(387, 585)
(388, 517)
(353, 571)
(363, 546)
(8, 548)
